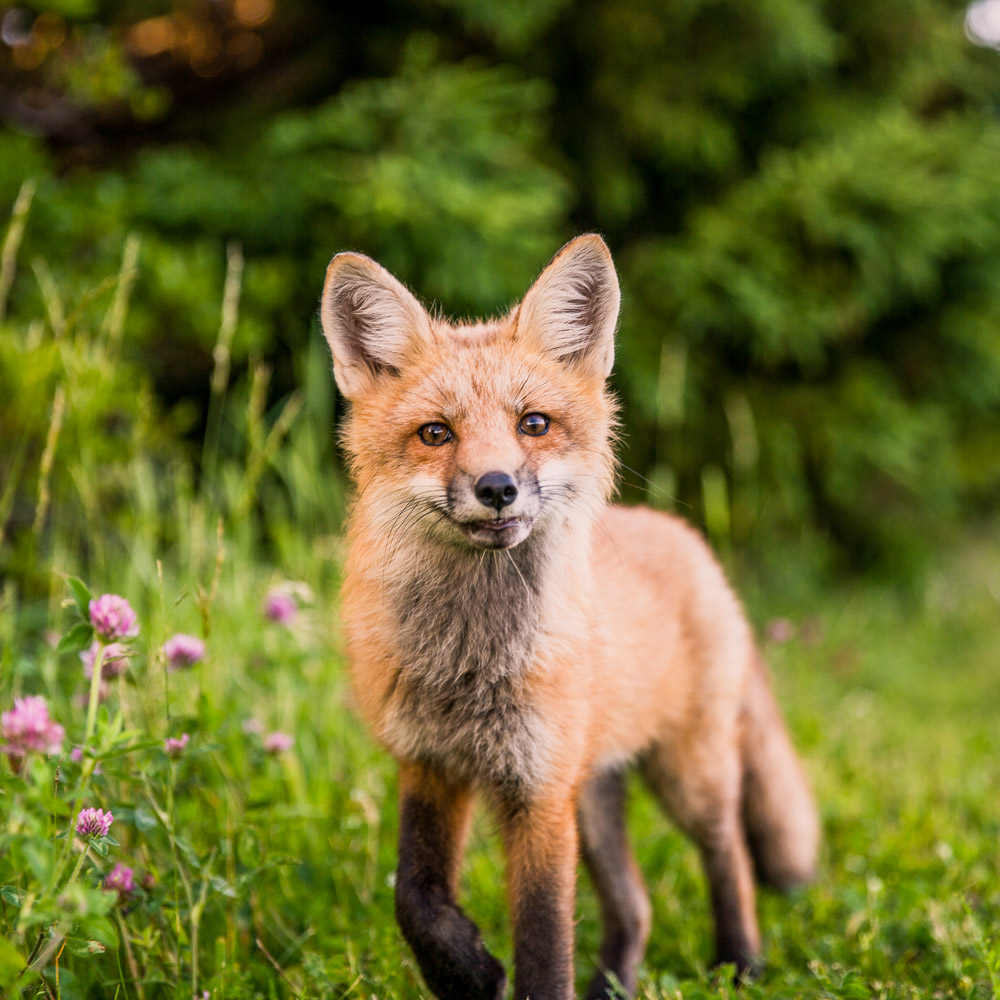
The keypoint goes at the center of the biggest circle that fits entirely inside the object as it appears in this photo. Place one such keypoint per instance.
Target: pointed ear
(571, 311)
(371, 322)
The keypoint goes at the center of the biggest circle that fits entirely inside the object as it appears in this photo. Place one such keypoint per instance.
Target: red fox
(511, 634)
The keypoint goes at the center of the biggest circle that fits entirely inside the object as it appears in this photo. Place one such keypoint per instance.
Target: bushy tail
(779, 813)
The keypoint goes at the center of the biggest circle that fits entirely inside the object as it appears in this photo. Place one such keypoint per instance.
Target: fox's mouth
(496, 533)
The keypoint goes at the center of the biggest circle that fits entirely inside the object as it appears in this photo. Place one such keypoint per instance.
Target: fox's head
(477, 434)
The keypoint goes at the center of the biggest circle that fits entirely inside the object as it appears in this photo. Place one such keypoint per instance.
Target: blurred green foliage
(801, 197)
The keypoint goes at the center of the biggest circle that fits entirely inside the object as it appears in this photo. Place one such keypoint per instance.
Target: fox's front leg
(541, 843)
(433, 821)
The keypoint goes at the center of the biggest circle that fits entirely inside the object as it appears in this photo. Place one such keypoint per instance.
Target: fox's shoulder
(643, 532)
(636, 547)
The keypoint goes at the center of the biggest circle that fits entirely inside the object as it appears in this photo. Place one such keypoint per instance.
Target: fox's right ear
(371, 322)
(571, 310)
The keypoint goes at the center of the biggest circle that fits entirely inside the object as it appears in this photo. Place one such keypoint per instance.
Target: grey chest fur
(466, 628)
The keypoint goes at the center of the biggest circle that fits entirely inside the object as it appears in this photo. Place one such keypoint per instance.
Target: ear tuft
(371, 322)
(571, 311)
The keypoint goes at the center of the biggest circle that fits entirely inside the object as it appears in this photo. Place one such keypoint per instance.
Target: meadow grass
(268, 872)
(272, 873)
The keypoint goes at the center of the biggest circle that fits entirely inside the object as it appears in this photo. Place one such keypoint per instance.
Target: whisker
(653, 488)
(527, 589)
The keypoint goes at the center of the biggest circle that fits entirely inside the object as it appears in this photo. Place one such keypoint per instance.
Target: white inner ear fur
(572, 309)
(371, 322)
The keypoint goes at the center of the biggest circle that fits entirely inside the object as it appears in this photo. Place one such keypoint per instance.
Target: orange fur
(525, 650)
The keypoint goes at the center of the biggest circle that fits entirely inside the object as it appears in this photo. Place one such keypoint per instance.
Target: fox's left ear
(372, 323)
(571, 311)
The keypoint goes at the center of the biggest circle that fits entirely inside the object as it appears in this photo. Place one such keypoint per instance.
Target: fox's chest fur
(466, 628)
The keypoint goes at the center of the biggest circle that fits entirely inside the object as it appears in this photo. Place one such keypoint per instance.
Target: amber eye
(434, 434)
(534, 424)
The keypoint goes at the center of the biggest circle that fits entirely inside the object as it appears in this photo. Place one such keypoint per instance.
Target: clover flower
(780, 630)
(120, 879)
(113, 662)
(278, 742)
(174, 745)
(27, 727)
(281, 607)
(94, 822)
(183, 651)
(113, 618)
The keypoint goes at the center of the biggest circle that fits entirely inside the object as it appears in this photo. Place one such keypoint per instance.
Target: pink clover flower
(94, 822)
(183, 651)
(27, 727)
(113, 618)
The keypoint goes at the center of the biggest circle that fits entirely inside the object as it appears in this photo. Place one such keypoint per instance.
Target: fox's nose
(496, 489)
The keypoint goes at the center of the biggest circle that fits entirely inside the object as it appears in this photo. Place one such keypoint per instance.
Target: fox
(513, 636)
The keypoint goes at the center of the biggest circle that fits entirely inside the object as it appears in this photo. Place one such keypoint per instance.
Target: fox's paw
(746, 968)
(473, 975)
(493, 980)
(605, 986)
(486, 979)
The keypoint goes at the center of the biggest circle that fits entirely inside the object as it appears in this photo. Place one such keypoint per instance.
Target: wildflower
(252, 726)
(27, 727)
(278, 742)
(174, 745)
(113, 662)
(94, 822)
(113, 618)
(780, 630)
(281, 606)
(120, 879)
(183, 651)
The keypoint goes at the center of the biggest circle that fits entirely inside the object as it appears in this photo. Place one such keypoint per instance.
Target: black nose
(496, 489)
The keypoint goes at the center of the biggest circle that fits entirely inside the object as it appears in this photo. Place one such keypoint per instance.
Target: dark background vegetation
(802, 198)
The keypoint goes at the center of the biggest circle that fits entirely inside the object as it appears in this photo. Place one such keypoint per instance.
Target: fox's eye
(534, 424)
(434, 434)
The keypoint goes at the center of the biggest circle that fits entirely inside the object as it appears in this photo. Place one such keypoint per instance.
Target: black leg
(702, 793)
(446, 943)
(625, 908)
(728, 869)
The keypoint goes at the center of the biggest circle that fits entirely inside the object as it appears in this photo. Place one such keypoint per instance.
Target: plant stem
(221, 357)
(85, 774)
(45, 468)
(12, 242)
(95, 692)
(196, 912)
(79, 865)
(130, 957)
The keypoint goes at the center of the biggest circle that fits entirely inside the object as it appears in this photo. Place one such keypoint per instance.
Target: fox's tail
(779, 814)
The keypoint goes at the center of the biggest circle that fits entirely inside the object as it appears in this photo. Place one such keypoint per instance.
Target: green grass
(892, 702)
(271, 875)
